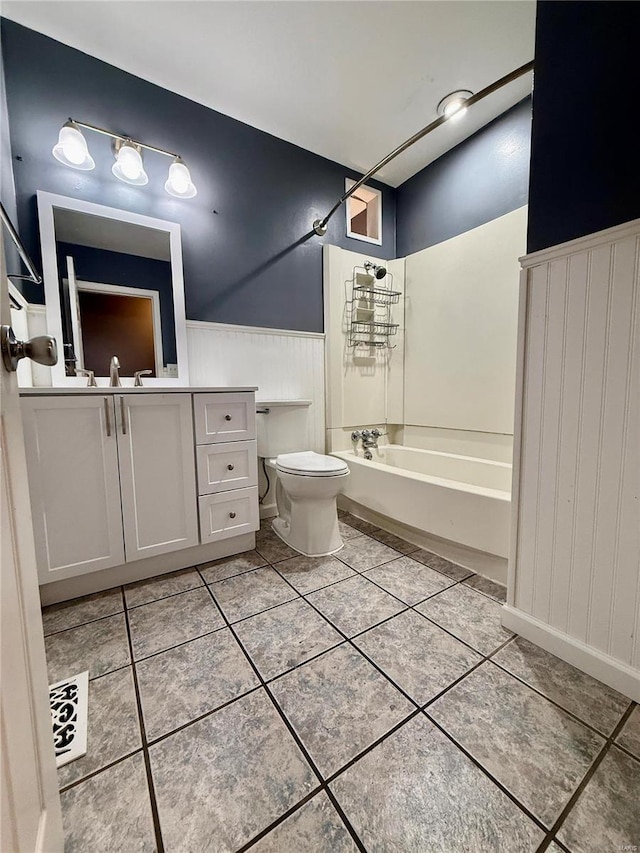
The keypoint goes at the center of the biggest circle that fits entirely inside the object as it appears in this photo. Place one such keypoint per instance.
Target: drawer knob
(227, 417)
(232, 515)
(230, 467)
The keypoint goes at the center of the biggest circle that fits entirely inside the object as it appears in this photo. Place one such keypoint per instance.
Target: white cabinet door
(157, 473)
(73, 478)
(224, 417)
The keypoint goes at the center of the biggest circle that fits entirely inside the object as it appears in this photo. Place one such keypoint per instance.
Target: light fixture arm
(122, 138)
(320, 225)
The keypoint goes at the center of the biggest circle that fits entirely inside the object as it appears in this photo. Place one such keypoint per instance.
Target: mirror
(113, 287)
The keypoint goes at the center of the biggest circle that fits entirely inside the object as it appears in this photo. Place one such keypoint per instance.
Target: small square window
(364, 214)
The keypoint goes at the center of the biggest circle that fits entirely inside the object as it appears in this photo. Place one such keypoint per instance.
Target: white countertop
(146, 389)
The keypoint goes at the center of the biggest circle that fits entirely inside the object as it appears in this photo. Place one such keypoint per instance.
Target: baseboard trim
(64, 590)
(618, 675)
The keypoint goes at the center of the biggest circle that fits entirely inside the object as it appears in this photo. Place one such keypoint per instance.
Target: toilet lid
(311, 464)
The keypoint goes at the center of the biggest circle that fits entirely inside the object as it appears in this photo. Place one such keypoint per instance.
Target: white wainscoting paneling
(285, 365)
(575, 560)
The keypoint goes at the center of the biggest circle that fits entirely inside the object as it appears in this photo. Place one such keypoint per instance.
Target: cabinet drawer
(224, 417)
(228, 514)
(221, 467)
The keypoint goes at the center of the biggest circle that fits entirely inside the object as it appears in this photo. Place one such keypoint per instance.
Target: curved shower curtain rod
(320, 225)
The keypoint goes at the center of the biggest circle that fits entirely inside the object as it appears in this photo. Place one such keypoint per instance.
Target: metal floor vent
(69, 702)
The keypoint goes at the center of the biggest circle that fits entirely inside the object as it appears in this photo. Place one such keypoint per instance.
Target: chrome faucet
(114, 376)
(369, 438)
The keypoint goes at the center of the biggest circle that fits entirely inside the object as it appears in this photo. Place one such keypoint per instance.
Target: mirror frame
(47, 204)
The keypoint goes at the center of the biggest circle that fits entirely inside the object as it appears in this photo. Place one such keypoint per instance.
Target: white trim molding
(251, 330)
(574, 567)
(617, 675)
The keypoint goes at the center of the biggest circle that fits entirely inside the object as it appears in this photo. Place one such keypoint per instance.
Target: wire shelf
(360, 327)
(379, 296)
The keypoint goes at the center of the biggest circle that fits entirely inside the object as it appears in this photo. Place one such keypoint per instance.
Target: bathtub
(463, 499)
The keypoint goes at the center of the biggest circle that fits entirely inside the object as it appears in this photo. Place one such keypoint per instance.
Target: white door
(74, 310)
(72, 458)
(157, 473)
(30, 819)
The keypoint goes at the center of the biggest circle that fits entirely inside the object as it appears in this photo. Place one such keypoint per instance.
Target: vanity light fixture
(128, 166)
(179, 183)
(454, 104)
(72, 150)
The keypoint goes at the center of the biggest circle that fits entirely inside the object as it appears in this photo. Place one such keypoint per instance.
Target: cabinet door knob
(227, 417)
(232, 515)
(230, 467)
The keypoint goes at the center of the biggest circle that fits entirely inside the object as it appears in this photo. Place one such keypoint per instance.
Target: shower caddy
(369, 310)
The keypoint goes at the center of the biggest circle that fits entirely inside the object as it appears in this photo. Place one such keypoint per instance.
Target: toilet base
(282, 529)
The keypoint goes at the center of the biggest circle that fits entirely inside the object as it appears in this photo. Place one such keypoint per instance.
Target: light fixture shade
(128, 166)
(72, 148)
(452, 106)
(179, 183)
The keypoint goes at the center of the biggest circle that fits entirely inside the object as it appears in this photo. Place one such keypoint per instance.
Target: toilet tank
(284, 428)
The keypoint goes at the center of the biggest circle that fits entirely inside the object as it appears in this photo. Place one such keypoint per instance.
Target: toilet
(307, 484)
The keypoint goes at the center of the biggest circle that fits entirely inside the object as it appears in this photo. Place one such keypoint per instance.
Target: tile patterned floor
(369, 701)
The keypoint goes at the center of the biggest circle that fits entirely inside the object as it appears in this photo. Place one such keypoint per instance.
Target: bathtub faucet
(369, 438)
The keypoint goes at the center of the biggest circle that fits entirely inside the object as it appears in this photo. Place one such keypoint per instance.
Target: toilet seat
(311, 464)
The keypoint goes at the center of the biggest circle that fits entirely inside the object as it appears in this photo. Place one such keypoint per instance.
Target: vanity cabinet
(112, 479)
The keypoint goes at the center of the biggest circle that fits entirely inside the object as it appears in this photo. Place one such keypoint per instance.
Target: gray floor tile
(421, 658)
(629, 737)
(440, 564)
(346, 530)
(355, 604)
(468, 615)
(587, 698)
(285, 636)
(494, 590)
(359, 523)
(339, 704)
(179, 685)
(100, 647)
(537, 751)
(222, 780)
(78, 611)
(363, 553)
(169, 621)
(417, 793)
(218, 570)
(271, 547)
(113, 728)
(111, 812)
(314, 828)
(606, 815)
(307, 574)
(143, 592)
(249, 593)
(408, 580)
(394, 541)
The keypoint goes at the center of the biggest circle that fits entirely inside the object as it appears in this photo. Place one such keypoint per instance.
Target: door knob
(42, 349)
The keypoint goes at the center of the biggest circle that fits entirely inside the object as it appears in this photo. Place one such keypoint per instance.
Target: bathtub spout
(368, 454)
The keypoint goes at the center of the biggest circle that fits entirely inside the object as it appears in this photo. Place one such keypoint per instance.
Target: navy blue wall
(584, 153)
(253, 261)
(132, 271)
(484, 177)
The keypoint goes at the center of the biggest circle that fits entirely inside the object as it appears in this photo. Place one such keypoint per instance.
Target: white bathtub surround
(575, 559)
(364, 387)
(456, 498)
(461, 312)
(486, 445)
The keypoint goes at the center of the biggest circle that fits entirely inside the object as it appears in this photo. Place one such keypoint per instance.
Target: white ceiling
(98, 232)
(347, 80)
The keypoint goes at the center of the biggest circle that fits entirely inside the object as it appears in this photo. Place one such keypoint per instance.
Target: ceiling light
(128, 166)
(454, 104)
(179, 183)
(72, 148)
